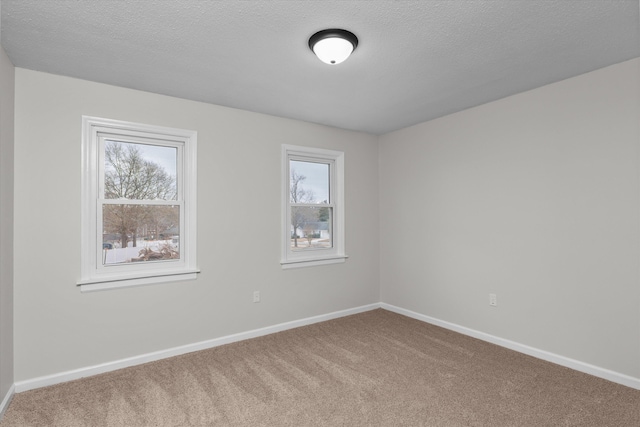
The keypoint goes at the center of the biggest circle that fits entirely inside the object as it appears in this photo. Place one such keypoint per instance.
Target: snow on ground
(119, 255)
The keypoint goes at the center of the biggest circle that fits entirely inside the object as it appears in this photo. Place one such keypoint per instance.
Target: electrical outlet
(493, 300)
(256, 296)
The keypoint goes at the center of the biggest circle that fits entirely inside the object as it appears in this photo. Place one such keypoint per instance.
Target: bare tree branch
(129, 176)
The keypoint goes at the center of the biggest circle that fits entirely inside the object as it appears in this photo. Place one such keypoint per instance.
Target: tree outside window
(135, 172)
(310, 217)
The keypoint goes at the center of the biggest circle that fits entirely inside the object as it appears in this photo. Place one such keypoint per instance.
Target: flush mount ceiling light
(333, 46)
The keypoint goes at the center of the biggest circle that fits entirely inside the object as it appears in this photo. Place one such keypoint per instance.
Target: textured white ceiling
(417, 60)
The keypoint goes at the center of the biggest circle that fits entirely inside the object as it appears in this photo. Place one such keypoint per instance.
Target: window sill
(312, 262)
(103, 284)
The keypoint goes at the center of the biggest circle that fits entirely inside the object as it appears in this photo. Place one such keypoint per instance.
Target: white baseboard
(7, 399)
(75, 374)
(577, 365)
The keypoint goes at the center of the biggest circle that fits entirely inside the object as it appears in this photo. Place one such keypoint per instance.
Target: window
(313, 207)
(138, 204)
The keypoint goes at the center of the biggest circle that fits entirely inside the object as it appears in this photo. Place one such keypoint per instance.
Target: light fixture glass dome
(333, 46)
(333, 50)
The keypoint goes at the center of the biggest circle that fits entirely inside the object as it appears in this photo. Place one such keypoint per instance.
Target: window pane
(309, 182)
(140, 233)
(311, 227)
(139, 171)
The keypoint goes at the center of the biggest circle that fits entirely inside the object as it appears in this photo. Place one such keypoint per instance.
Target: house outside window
(138, 204)
(313, 207)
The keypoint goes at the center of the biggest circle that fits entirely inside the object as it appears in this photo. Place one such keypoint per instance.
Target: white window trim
(93, 276)
(335, 254)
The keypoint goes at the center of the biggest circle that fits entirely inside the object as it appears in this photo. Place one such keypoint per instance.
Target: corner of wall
(7, 99)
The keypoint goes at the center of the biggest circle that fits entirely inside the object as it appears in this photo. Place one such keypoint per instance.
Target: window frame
(320, 256)
(94, 275)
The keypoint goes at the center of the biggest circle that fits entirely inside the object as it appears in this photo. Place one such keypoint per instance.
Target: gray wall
(7, 75)
(59, 329)
(534, 198)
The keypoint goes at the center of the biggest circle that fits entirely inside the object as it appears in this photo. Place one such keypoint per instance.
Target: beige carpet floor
(372, 369)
